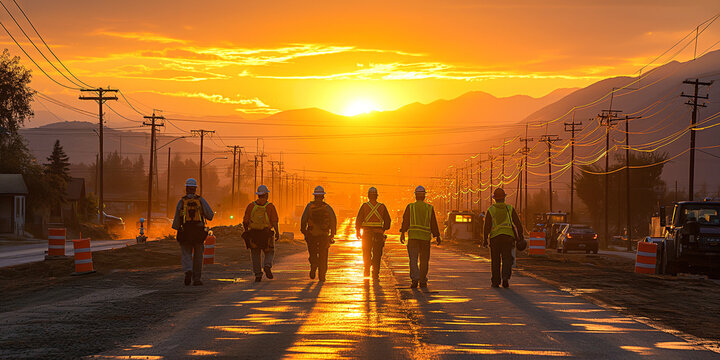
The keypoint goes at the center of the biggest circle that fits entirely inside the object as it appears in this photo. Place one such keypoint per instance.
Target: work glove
(402, 238)
(439, 241)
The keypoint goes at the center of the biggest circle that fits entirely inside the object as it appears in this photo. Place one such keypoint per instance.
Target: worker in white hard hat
(502, 230)
(420, 223)
(371, 223)
(261, 231)
(191, 215)
(319, 225)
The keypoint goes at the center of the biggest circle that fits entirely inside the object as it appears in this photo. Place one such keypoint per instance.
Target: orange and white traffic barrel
(56, 243)
(646, 258)
(83, 257)
(209, 254)
(536, 244)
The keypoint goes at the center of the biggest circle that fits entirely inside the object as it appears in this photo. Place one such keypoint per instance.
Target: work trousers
(501, 247)
(257, 262)
(373, 242)
(318, 247)
(419, 250)
(192, 257)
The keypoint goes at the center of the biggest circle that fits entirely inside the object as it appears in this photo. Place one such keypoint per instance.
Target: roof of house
(75, 189)
(12, 184)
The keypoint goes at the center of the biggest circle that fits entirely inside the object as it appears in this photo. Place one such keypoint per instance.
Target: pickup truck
(691, 241)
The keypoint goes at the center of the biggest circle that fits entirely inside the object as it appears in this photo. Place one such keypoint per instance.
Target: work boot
(322, 278)
(367, 272)
(423, 284)
(268, 272)
(414, 284)
(197, 283)
(188, 277)
(312, 272)
(506, 283)
(258, 278)
(495, 285)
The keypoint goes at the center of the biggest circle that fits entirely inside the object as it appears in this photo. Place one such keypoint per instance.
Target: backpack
(319, 219)
(192, 210)
(259, 218)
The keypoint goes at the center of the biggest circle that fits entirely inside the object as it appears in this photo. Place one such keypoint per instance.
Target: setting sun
(360, 106)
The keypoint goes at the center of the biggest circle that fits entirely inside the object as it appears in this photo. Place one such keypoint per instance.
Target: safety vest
(373, 217)
(420, 216)
(502, 224)
(192, 209)
(259, 218)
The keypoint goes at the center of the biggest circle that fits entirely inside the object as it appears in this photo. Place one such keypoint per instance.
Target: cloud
(246, 105)
(141, 36)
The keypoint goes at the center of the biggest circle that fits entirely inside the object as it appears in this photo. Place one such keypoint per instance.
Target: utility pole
(627, 178)
(694, 103)
(572, 127)
(502, 173)
(490, 158)
(153, 128)
(479, 182)
(235, 150)
(167, 199)
(470, 185)
(202, 134)
(608, 118)
(457, 188)
(526, 152)
(272, 173)
(549, 139)
(101, 98)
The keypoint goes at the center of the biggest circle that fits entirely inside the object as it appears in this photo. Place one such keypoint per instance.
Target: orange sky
(252, 58)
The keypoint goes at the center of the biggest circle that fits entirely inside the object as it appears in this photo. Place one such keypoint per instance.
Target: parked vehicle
(462, 225)
(578, 237)
(691, 241)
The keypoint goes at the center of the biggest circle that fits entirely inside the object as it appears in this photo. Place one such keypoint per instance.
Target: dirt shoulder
(49, 314)
(689, 305)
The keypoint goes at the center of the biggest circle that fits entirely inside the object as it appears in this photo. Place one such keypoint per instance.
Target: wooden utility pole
(101, 98)
(490, 159)
(167, 199)
(526, 152)
(236, 150)
(549, 139)
(153, 128)
(202, 134)
(627, 180)
(572, 128)
(608, 118)
(694, 103)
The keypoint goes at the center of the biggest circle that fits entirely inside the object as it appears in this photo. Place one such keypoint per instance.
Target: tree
(57, 172)
(644, 184)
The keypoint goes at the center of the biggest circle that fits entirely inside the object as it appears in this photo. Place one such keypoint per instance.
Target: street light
(217, 158)
(171, 141)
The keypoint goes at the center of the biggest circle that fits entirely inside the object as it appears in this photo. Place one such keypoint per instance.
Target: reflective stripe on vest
(259, 225)
(373, 211)
(420, 216)
(501, 215)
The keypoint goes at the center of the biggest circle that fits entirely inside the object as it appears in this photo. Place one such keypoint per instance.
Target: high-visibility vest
(502, 224)
(259, 218)
(373, 217)
(420, 216)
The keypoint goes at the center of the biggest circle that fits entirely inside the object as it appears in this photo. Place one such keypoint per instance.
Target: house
(13, 195)
(74, 196)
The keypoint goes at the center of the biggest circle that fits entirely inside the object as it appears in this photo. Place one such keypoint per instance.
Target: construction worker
(370, 224)
(501, 220)
(191, 214)
(420, 223)
(319, 225)
(260, 219)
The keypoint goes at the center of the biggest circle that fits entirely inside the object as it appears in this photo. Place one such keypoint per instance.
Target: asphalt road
(13, 254)
(347, 317)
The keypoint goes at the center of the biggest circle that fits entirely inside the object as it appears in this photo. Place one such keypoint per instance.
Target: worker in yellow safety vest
(191, 215)
(420, 223)
(501, 223)
(261, 231)
(370, 224)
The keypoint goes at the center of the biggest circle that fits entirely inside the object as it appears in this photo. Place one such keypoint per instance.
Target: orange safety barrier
(536, 244)
(56, 243)
(209, 255)
(83, 257)
(646, 258)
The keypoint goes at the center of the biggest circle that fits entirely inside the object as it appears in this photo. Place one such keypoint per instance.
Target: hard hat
(499, 194)
(372, 190)
(190, 182)
(262, 190)
(319, 191)
(420, 189)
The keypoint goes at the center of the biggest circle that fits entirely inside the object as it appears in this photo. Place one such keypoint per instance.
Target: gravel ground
(49, 314)
(686, 303)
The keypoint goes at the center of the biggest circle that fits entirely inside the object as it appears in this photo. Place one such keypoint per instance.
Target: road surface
(459, 316)
(13, 254)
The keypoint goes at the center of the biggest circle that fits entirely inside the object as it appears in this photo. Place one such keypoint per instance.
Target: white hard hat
(262, 190)
(190, 182)
(372, 190)
(420, 189)
(319, 191)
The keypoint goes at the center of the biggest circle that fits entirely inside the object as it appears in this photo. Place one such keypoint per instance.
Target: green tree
(57, 172)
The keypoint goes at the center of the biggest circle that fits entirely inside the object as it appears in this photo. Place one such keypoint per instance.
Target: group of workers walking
(502, 230)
